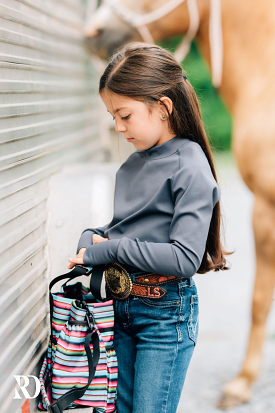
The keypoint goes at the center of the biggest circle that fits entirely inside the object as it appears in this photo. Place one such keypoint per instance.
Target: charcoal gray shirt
(163, 204)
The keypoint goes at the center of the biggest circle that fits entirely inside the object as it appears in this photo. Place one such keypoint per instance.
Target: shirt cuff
(102, 253)
(85, 241)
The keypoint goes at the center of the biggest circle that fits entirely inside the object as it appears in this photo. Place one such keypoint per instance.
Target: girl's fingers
(76, 260)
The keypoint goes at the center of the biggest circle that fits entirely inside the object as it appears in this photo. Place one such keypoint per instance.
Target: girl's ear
(165, 104)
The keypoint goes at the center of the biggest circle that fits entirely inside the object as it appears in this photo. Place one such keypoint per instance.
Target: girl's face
(133, 119)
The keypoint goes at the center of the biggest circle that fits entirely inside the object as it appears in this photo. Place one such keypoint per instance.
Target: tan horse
(248, 90)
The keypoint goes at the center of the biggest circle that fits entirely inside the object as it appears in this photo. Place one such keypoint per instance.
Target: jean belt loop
(191, 281)
(186, 282)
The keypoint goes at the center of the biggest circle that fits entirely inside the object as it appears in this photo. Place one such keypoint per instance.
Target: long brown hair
(146, 73)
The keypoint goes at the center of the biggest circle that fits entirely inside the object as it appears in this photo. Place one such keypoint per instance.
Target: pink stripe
(75, 347)
(112, 370)
(92, 403)
(59, 367)
(104, 325)
(82, 380)
(59, 304)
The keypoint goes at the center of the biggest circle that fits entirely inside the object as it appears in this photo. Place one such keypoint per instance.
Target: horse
(244, 78)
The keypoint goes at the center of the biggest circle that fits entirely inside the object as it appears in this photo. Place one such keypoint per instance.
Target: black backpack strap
(77, 271)
(64, 401)
(97, 283)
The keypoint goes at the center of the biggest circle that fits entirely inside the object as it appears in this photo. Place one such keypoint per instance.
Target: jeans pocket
(160, 303)
(193, 320)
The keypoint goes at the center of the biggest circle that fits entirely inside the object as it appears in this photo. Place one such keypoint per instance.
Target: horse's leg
(238, 390)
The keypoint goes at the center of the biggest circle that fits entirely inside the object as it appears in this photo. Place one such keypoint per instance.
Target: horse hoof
(235, 393)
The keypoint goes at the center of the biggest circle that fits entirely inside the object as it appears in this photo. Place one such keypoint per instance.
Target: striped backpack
(80, 366)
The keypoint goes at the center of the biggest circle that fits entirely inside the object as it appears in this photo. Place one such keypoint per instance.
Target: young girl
(165, 228)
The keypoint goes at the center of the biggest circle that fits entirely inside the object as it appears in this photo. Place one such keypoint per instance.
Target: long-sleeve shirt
(163, 203)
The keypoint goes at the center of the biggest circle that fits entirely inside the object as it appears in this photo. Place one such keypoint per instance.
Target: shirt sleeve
(86, 238)
(195, 193)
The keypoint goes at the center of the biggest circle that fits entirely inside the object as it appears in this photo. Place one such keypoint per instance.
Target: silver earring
(163, 116)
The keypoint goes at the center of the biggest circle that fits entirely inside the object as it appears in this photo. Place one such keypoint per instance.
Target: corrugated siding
(48, 118)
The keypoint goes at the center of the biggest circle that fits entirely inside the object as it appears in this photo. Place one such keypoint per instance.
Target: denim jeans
(154, 341)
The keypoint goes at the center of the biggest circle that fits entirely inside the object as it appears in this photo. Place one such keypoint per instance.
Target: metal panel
(48, 119)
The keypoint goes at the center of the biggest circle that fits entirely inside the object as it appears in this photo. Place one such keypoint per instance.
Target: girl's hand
(79, 258)
(98, 238)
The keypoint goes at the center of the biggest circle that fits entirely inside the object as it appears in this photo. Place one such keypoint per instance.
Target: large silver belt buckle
(118, 280)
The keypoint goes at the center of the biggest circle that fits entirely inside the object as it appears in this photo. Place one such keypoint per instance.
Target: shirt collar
(165, 149)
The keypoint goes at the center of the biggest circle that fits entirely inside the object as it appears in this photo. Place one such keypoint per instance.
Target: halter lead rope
(215, 29)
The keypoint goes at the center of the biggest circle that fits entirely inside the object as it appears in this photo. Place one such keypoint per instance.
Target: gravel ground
(225, 308)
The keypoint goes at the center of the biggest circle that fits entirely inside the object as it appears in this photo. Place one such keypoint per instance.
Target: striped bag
(80, 367)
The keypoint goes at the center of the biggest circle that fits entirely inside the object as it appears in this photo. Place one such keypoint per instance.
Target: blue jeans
(154, 341)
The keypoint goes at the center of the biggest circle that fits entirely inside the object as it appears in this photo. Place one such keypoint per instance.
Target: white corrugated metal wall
(48, 119)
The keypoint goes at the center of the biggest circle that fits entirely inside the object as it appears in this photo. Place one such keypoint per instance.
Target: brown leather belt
(148, 284)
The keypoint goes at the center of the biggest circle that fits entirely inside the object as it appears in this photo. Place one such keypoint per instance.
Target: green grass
(216, 118)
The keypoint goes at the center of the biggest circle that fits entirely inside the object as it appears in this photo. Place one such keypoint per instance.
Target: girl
(165, 227)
